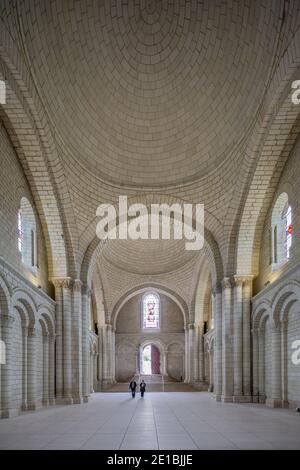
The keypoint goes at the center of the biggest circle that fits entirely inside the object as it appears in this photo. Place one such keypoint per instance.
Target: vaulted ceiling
(151, 97)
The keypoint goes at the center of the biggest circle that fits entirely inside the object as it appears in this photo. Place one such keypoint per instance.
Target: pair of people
(133, 386)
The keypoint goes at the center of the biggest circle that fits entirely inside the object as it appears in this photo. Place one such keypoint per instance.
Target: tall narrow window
(27, 234)
(289, 231)
(282, 231)
(151, 311)
(20, 232)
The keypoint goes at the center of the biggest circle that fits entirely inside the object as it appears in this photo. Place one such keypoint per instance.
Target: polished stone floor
(158, 421)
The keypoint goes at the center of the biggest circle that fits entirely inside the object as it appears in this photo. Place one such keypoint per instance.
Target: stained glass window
(151, 311)
(289, 231)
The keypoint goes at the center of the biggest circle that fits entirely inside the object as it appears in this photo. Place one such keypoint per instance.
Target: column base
(255, 399)
(274, 403)
(64, 401)
(226, 399)
(242, 399)
(34, 406)
(85, 399)
(10, 413)
(201, 386)
(218, 397)
(45, 402)
(52, 402)
(77, 400)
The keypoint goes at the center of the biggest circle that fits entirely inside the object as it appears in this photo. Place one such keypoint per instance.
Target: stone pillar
(238, 340)
(91, 372)
(107, 355)
(100, 369)
(32, 403)
(227, 376)
(255, 347)
(67, 341)
(51, 370)
(95, 372)
(57, 282)
(8, 406)
(189, 340)
(77, 342)
(217, 292)
(113, 355)
(284, 362)
(24, 367)
(85, 341)
(201, 375)
(186, 355)
(211, 370)
(275, 400)
(247, 294)
(45, 400)
(196, 353)
(261, 365)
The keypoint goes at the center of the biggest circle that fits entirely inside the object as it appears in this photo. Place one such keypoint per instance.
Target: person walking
(142, 388)
(132, 387)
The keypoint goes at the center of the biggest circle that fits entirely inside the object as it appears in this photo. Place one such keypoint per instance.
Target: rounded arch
(5, 297)
(260, 314)
(93, 250)
(277, 108)
(22, 300)
(147, 288)
(287, 295)
(156, 342)
(38, 156)
(45, 314)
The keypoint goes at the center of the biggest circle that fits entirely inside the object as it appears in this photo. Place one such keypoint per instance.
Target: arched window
(27, 234)
(281, 231)
(150, 311)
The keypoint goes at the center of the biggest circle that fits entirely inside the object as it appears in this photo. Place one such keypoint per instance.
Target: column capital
(62, 282)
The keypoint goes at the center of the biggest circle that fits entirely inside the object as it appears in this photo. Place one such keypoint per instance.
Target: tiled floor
(159, 421)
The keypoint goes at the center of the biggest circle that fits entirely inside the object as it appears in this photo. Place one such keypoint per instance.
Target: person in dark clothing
(142, 388)
(132, 387)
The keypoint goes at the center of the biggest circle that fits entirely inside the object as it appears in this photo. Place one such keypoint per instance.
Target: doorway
(150, 360)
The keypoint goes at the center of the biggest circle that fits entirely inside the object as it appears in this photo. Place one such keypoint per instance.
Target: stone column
(196, 353)
(255, 347)
(85, 341)
(201, 355)
(275, 400)
(211, 370)
(227, 376)
(186, 355)
(113, 355)
(217, 292)
(45, 400)
(67, 340)
(95, 372)
(189, 339)
(57, 282)
(24, 367)
(32, 370)
(100, 368)
(51, 370)
(91, 372)
(261, 365)
(8, 406)
(238, 340)
(247, 294)
(284, 362)
(77, 342)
